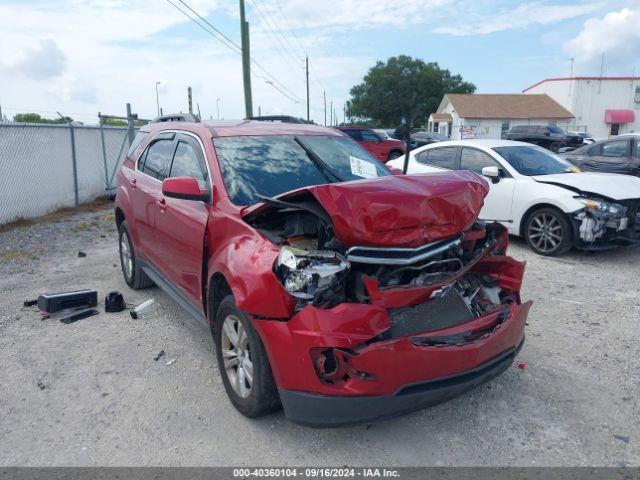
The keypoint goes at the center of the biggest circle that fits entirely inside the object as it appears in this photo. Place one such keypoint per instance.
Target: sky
(81, 57)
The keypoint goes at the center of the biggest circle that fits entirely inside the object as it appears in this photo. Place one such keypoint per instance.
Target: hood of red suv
(399, 211)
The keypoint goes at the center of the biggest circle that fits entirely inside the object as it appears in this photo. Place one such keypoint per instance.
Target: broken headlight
(306, 274)
(602, 206)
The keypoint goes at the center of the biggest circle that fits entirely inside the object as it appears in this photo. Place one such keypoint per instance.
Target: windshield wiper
(318, 162)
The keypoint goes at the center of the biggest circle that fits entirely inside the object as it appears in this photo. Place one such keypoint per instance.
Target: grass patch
(13, 255)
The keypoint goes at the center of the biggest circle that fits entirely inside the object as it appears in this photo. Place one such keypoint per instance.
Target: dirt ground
(91, 393)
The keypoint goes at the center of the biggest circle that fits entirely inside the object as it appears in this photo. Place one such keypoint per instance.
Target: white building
(465, 116)
(602, 106)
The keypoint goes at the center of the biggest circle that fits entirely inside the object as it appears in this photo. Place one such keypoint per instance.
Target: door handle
(162, 204)
(133, 183)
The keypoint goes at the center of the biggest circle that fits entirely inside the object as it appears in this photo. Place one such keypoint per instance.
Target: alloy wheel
(237, 356)
(125, 255)
(545, 232)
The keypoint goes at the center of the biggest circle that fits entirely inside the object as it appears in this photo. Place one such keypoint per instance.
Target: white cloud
(617, 35)
(491, 20)
(40, 61)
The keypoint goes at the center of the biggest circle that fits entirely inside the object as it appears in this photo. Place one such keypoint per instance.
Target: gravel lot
(90, 393)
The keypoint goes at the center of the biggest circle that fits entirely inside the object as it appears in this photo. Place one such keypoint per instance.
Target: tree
(36, 118)
(403, 88)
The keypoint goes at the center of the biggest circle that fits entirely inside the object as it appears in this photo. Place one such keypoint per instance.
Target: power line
(232, 46)
(279, 35)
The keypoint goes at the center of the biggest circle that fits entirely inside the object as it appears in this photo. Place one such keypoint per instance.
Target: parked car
(419, 139)
(587, 138)
(538, 195)
(381, 148)
(615, 155)
(548, 136)
(387, 133)
(331, 286)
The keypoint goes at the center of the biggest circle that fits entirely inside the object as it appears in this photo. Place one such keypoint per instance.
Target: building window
(637, 97)
(504, 130)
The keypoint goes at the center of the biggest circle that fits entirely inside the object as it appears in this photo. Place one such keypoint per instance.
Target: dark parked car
(547, 136)
(614, 155)
(384, 149)
(419, 139)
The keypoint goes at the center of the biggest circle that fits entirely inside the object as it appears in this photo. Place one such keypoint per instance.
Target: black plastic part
(54, 302)
(332, 411)
(177, 117)
(79, 316)
(114, 302)
(30, 303)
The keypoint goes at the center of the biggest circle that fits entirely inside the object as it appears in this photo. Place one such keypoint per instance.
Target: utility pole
(158, 98)
(307, 72)
(246, 62)
(190, 99)
(324, 96)
(344, 112)
(331, 112)
(218, 108)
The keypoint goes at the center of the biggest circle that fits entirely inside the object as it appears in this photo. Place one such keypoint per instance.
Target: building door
(615, 129)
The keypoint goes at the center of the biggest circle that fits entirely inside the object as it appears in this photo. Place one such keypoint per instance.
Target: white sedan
(540, 196)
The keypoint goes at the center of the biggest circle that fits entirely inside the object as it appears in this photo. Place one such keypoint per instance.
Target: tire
(555, 146)
(548, 232)
(131, 271)
(243, 352)
(394, 154)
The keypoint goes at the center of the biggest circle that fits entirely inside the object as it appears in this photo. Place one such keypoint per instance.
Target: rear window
(266, 166)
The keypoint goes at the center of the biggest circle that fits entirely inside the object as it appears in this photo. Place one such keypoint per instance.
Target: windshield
(532, 160)
(266, 166)
(556, 130)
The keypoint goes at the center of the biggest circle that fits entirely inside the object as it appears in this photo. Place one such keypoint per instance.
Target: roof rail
(278, 118)
(177, 117)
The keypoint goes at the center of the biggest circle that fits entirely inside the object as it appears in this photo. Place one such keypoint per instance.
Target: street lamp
(218, 107)
(157, 98)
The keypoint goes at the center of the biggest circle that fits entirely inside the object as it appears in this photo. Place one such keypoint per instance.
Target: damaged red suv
(333, 288)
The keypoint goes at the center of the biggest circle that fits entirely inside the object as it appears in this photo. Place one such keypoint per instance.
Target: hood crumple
(399, 210)
(611, 185)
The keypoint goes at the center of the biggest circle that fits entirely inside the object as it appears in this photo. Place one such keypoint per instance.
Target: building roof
(507, 106)
(441, 117)
(565, 79)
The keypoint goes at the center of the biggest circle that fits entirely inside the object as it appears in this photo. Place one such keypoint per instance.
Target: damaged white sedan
(540, 196)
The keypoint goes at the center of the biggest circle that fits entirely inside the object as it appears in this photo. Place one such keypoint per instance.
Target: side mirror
(492, 172)
(394, 170)
(184, 188)
(547, 133)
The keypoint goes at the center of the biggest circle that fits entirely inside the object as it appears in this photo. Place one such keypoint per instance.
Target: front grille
(444, 312)
(400, 256)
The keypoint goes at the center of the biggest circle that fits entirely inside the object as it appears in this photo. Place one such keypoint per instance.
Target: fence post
(75, 163)
(130, 130)
(107, 183)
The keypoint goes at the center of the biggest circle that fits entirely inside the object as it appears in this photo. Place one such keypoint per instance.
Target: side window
(137, 140)
(368, 136)
(637, 141)
(444, 157)
(158, 159)
(475, 160)
(614, 149)
(186, 163)
(355, 134)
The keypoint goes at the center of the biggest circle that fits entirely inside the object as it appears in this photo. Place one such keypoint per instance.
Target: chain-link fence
(47, 167)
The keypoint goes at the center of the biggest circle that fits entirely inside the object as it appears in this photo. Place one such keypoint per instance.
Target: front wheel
(548, 232)
(243, 362)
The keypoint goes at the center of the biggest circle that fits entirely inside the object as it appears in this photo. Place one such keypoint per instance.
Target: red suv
(384, 149)
(332, 288)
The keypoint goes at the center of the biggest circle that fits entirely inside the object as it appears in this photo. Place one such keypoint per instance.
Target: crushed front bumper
(385, 376)
(332, 411)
